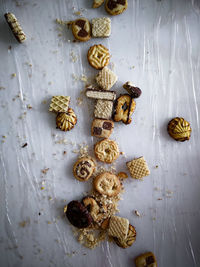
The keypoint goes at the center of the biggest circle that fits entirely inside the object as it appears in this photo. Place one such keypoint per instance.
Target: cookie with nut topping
(81, 29)
(116, 7)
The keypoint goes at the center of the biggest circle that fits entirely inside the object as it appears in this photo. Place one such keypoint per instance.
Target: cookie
(15, 27)
(102, 128)
(106, 150)
(92, 206)
(124, 108)
(81, 29)
(107, 184)
(66, 121)
(147, 259)
(100, 94)
(129, 240)
(78, 215)
(138, 168)
(116, 7)
(97, 3)
(118, 227)
(59, 103)
(98, 56)
(106, 78)
(179, 129)
(134, 92)
(103, 109)
(101, 27)
(84, 168)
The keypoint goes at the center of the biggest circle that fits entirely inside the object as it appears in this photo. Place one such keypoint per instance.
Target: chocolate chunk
(82, 33)
(121, 2)
(112, 4)
(125, 106)
(97, 130)
(80, 23)
(150, 260)
(78, 214)
(107, 125)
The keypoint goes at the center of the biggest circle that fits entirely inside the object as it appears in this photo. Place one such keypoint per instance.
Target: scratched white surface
(161, 39)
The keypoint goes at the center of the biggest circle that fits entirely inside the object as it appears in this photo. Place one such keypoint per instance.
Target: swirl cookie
(129, 240)
(107, 184)
(66, 121)
(179, 129)
(106, 150)
(81, 29)
(124, 108)
(116, 7)
(98, 56)
(84, 168)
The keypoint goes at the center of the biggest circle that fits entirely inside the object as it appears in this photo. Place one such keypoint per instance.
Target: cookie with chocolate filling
(81, 29)
(124, 108)
(116, 7)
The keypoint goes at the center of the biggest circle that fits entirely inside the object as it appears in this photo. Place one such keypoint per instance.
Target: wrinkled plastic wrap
(156, 45)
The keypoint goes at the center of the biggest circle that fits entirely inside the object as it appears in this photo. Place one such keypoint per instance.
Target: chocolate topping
(107, 125)
(80, 23)
(113, 3)
(82, 33)
(97, 131)
(149, 260)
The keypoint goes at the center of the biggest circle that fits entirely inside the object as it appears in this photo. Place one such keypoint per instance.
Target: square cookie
(147, 259)
(59, 103)
(103, 109)
(106, 78)
(118, 227)
(102, 128)
(101, 27)
(138, 168)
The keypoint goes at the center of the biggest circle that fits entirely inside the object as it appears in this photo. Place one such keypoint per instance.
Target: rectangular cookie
(102, 128)
(100, 94)
(138, 168)
(15, 27)
(118, 227)
(103, 109)
(59, 103)
(101, 27)
(106, 78)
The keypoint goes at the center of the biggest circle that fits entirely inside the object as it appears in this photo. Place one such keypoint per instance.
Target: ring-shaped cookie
(106, 150)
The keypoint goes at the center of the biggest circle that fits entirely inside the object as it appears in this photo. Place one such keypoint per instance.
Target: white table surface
(161, 39)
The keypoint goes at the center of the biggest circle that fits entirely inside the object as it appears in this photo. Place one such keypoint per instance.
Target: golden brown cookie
(147, 259)
(106, 150)
(66, 121)
(124, 108)
(106, 78)
(101, 27)
(81, 29)
(129, 240)
(84, 168)
(116, 7)
(179, 129)
(138, 168)
(97, 3)
(98, 56)
(102, 128)
(107, 184)
(118, 227)
(59, 103)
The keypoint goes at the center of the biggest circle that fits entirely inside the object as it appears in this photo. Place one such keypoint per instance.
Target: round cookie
(65, 121)
(84, 168)
(78, 214)
(116, 7)
(179, 129)
(106, 150)
(124, 108)
(131, 237)
(107, 184)
(81, 29)
(98, 56)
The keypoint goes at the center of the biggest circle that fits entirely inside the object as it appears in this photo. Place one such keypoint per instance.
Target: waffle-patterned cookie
(102, 128)
(81, 29)
(106, 150)
(179, 129)
(59, 103)
(103, 109)
(138, 168)
(15, 27)
(116, 7)
(118, 227)
(127, 242)
(147, 259)
(106, 78)
(98, 56)
(97, 3)
(101, 27)
(65, 121)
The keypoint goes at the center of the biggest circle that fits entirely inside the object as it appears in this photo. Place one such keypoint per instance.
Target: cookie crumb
(24, 145)
(44, 171)
(137, 213)
(13, 75)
